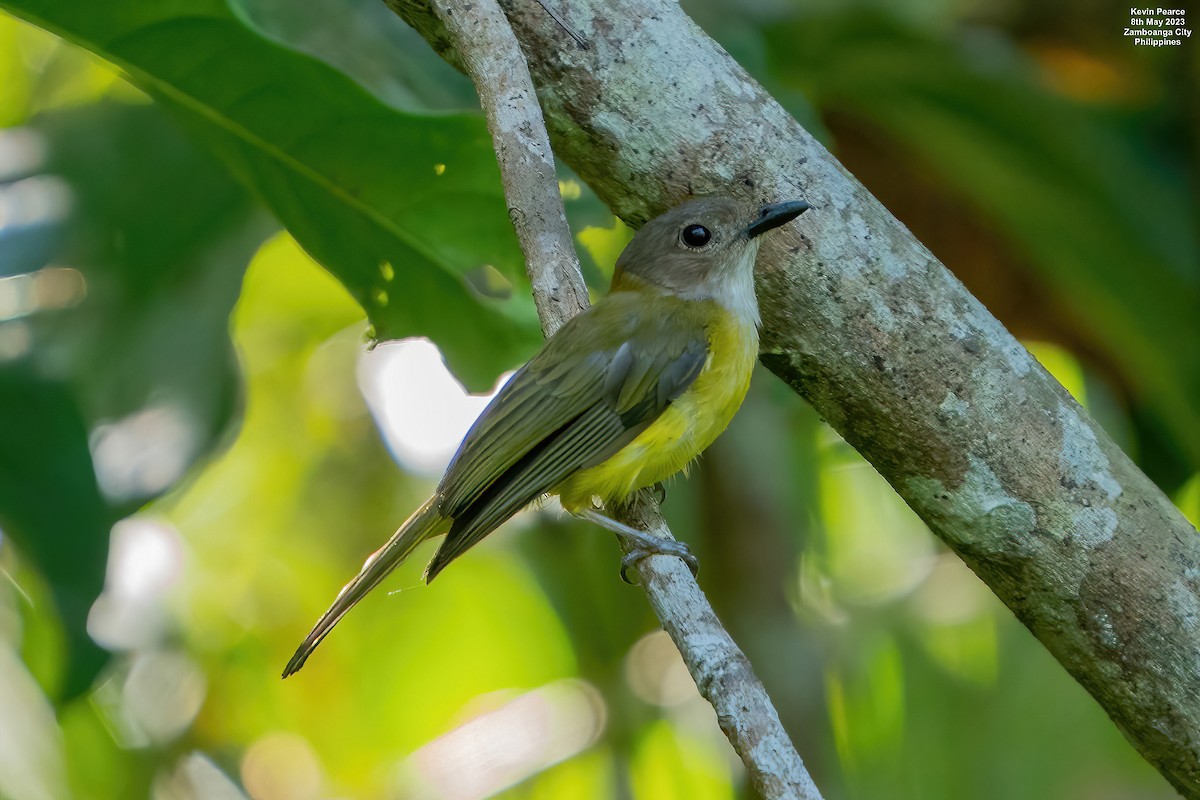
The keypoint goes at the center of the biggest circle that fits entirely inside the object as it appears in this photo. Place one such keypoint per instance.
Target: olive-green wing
(536, 401)
(559, 415)
(582, 362)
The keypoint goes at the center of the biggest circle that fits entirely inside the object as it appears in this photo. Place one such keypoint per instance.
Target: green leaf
(401, 208)
(364, 40)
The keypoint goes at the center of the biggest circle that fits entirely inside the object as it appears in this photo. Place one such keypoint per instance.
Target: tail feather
(424, 523)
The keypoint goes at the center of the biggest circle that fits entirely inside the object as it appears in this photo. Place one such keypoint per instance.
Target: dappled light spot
(814, 594)
(195, 777)
(152, 698)
(570, 189)
(145, 452)
(957, 625)
(145, 559)
(22, 152)
(40, 200)
(671, 761)
(875, 550)
(47, 289)
(866, 706)
(439, 169)
(422, 410)
(951, 594)
(1081, 75)
(281, 766)
(656, 673)
(604, 245)
(500, 748)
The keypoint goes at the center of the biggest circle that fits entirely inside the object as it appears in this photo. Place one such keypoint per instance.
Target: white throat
(734, 289)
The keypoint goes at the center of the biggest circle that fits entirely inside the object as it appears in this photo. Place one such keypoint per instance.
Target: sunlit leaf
(352, 179)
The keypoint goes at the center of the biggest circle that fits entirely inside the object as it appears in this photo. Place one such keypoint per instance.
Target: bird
(621, 397)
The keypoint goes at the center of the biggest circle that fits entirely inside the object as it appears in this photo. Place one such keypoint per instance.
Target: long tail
(424, 523)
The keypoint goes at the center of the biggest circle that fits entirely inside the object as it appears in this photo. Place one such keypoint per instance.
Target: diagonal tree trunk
(890, 348)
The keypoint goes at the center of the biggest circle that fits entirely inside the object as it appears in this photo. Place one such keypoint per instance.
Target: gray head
(704, 248)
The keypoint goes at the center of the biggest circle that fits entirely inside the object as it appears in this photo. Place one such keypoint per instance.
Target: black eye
(695, 236)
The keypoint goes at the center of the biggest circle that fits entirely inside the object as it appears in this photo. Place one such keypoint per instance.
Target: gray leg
(643, 544)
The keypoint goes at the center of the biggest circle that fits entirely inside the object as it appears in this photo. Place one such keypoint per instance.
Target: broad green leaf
(403, 209)
(1083, 194)
(365, 40)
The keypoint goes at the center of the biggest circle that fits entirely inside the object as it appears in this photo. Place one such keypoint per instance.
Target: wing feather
(534, 403)
(545, 468)
(561, 413)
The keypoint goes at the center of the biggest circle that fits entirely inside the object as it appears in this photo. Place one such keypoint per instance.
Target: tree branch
(890, 348)
(490, 54)
(494, 61)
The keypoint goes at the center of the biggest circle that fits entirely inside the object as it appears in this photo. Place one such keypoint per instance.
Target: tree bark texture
(523, 152)
(861, 320)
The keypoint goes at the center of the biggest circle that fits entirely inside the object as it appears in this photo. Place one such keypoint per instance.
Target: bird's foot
(641, 544)
(655, 546)
(659, 492)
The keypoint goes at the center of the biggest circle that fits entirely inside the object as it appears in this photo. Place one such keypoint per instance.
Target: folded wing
(586, 395)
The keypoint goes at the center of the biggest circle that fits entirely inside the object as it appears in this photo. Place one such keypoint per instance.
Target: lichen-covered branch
(721, 671)
(491, 56)
(891, 349)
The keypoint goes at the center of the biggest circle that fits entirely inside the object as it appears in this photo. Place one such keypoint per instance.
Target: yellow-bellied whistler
(621, 397)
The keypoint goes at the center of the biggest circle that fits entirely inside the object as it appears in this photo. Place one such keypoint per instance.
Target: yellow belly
(689, 425)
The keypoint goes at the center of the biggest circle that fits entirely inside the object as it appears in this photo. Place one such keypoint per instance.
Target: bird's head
(704, 248)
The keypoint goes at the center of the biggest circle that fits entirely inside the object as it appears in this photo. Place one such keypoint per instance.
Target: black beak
(772, 215)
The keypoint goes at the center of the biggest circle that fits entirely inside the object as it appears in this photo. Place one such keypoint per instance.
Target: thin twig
(492, 57)
(497, 66)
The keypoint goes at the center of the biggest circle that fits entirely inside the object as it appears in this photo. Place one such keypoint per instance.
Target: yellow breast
(689, 425)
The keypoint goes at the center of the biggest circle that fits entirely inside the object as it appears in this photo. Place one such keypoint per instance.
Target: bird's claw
(639, 543)
(664, 547)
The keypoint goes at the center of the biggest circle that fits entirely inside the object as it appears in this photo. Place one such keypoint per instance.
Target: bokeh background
(198, 445)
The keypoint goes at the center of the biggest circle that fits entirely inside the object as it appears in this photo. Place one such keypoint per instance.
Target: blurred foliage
(142, 240)
(173, 519)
